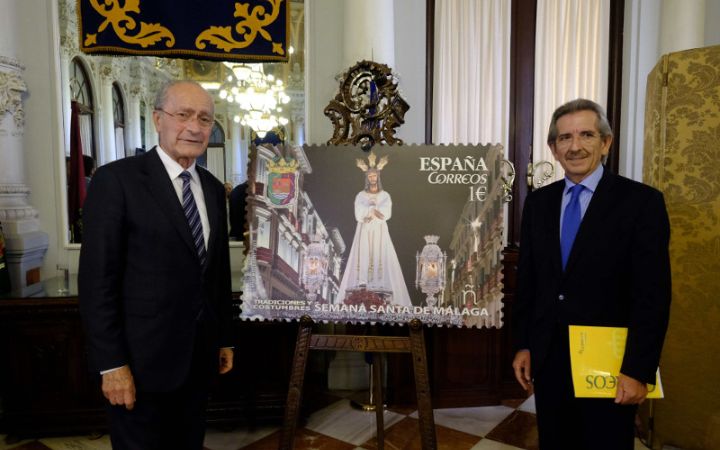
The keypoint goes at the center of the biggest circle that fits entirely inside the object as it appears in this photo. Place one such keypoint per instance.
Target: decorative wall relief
(367, 108)
(12, 87)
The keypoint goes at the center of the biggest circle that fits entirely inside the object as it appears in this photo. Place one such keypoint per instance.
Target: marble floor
(338, 426)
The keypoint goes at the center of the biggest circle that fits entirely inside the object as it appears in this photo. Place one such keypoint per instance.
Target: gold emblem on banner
(249, 27)
(117, 16)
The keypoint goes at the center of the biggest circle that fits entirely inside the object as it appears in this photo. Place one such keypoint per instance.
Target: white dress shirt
(174, 170)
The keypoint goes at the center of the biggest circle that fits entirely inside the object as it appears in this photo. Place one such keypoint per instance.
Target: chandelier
(259, 96)
(315, 268)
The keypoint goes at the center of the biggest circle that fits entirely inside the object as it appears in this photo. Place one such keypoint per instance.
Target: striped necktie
(570, 223)
(193, 216)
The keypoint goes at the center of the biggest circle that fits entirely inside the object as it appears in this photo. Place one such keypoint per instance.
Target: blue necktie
(193, 216)
(570, 223)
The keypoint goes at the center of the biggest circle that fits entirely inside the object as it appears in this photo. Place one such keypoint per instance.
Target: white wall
(682, 24)
(410, 62)
(324, 39)
(645, 35)
(712, 19)
(640, 54)
(323, 59)
(37, 47)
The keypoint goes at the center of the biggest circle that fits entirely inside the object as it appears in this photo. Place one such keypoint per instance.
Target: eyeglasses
(203, 120)
(564, 141)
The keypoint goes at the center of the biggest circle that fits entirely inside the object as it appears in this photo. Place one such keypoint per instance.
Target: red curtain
(76, 177)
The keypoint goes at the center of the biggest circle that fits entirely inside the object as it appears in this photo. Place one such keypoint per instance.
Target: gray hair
(580, 104)
(162, 95)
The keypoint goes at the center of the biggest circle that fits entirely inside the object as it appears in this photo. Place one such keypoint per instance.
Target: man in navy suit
(593, 251)
(155, 280)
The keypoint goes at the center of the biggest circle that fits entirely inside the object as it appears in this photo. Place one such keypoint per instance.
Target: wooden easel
(414, 344)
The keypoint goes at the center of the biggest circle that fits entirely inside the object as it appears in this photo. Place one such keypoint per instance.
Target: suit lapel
(593, 219)
(553, 224)
(162, 190)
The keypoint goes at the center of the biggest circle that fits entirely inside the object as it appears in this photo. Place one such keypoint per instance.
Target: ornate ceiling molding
(11, 63)
(14, 214)
(14, 189)
(12, 207)
(106, 72)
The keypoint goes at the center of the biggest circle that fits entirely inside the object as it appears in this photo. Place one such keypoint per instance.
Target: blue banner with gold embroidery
(249, 30)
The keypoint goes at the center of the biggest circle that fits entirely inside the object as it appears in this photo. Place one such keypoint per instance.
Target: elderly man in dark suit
(593, 251)
(155, 280)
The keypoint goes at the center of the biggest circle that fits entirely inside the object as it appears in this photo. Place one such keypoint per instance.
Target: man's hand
(225, 360)
(521, 365)
(630, 391)
(118, 387)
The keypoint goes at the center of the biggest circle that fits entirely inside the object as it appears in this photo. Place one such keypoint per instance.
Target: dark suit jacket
(618, 272)
(237, 211)
(143, 292)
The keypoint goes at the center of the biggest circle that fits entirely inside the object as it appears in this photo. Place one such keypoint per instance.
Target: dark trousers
(167, 420)
(566, 422)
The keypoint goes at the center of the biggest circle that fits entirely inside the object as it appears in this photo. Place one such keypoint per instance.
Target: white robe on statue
(373, 264)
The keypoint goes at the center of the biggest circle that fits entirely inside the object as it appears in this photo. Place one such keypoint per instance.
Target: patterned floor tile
(404, 410)
(518, 429)
(78, 443)
(340, 427)
(347, 424)
(513, 402)
(477, 421)
(27, 445)
(11, 443)
(235, 439)
(528, 405)
(406, 435)
(304, 440)
(322, 400)
(489, 444)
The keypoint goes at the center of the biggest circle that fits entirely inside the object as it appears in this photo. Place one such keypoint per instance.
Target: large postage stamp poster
(398, 233)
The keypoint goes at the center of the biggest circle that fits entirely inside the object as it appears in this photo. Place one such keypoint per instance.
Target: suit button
(561, 297)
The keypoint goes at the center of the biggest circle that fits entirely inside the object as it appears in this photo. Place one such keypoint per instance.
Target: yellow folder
(596, 355)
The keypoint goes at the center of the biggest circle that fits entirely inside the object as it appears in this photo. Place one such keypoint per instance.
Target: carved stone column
(369, 32)
(239, 154)
(298, 126)
(26, 244)
(683, 25)
(107, 152)
(132, 126)
(68, 50)
(151, 136)
(297, 119)
(296, 91)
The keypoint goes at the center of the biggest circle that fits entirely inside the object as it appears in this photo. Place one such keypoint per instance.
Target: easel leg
(422, 386)
(377, 393)
(292, 406)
